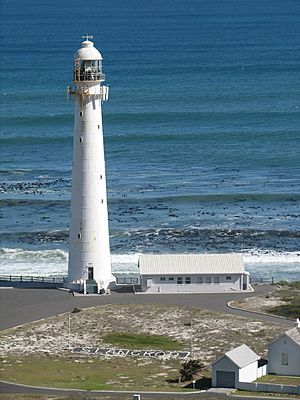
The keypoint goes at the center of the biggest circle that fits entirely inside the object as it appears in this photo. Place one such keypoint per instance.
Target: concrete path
(19, 306)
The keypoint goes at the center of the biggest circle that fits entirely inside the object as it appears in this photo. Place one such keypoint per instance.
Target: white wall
(261, 371)
(248, 373)
(284, 345)
(167, 286)
(268, 387)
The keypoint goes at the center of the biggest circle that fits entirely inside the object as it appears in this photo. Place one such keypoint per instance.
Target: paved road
(19, 306)
(219, 395)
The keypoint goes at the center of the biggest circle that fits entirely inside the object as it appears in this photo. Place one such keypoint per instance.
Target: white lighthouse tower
(89, 252)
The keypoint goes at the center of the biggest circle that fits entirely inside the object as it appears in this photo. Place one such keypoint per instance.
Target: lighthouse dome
(88, 52)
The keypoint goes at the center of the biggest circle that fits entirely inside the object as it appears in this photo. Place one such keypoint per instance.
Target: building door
(90, 273)
(225, 379)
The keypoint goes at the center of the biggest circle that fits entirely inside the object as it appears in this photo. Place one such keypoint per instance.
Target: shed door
(225, 379)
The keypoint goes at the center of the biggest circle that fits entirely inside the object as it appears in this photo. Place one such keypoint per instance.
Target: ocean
(202, 130)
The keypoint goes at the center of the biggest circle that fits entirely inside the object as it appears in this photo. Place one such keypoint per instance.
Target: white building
(284, 354)
(89, 252)
(192, 273)
(238, 365)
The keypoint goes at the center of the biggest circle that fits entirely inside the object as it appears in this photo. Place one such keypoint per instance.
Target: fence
(24, 278)
(268, 387)
(38, 282)
(259, 279)
(42, 281)
(127, 280)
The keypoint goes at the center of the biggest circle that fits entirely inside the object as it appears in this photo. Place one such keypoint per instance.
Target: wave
(254, 256)
(18, 261)
(176, 239)
(219, 198)
(36, 120)
(45, 139)
(45, 203)
(40, 186)
(192, 116)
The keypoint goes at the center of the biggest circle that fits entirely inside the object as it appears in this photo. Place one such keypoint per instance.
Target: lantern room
(88, 63)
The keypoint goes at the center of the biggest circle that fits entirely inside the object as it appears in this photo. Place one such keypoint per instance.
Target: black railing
(22, 278)
(127, 280)
(259, 279)
(80, 76)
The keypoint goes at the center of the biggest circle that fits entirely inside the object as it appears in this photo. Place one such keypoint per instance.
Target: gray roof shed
(241, 356)
(174, 264)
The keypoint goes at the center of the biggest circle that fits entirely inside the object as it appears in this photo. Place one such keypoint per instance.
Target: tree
(189, 369)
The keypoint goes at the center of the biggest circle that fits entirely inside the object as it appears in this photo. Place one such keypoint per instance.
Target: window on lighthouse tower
(90, 70)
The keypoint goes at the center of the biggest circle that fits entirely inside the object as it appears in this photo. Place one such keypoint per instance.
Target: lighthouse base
(90, 286)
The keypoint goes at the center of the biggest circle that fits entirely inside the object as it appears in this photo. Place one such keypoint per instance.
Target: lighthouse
(89, 252)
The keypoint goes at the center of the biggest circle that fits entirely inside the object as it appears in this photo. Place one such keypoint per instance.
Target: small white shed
(238, 365)
(192, 273)
(284, 354)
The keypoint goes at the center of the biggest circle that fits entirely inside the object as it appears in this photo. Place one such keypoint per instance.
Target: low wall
(268, 387)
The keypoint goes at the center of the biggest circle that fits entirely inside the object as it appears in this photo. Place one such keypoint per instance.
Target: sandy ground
(212, 333)
(262, 302)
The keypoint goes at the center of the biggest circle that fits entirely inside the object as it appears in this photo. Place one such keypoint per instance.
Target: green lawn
(141, 342)
(281, 380)
(92, 373)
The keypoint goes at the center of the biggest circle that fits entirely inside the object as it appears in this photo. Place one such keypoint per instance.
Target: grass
(281, 380)
(288, 292)
(92, 373)
(141, 341)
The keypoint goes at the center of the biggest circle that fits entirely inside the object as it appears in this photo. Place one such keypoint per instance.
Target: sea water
(201, 130)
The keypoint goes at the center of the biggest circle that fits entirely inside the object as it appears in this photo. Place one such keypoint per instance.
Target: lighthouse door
(90, 273)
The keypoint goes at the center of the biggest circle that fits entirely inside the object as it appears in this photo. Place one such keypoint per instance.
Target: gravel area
(212, 333)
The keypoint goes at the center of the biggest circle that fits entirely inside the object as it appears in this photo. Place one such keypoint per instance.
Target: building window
(98, 126)
(188, 280)
(208, 279)
(216, 280)
(284, 359)
(171, 278)
(199, 279)
(162, 278)
(81, 139)
(228, 278)
(81, 113)
(102, 201)
(100, 176)
(179, 280)
(79, 235)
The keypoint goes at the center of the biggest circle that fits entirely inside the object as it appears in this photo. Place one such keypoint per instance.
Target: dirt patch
(210, 333)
